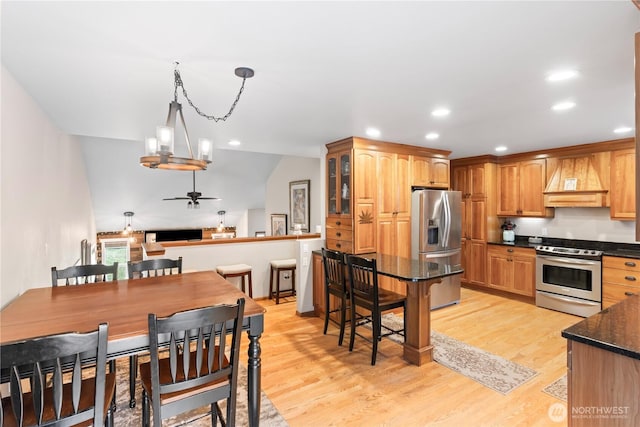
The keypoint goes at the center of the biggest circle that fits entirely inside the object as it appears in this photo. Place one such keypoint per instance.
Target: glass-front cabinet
(339, 183)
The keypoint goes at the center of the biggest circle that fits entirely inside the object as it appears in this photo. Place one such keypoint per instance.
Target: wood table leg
(254, 373)
(417, 347)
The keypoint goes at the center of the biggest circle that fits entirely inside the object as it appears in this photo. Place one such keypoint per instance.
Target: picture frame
(299, 205)
(278, 224)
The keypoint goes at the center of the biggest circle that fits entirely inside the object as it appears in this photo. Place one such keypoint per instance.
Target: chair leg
(353, 325)
(326, 310)
(214, 414)
(375, 317)
(108, 421)
(112, 368)
(343, 314)
(277, 286)
(145, 409)
(271, 283)
(133, 374)
(250, 286)
(293, 281)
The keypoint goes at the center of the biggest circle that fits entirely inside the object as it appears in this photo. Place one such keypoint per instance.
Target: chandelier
(159, 149)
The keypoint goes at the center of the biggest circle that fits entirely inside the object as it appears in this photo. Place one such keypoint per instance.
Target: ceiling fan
(193, 196)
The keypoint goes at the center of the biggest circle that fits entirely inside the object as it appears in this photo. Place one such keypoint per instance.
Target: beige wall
(45, 205)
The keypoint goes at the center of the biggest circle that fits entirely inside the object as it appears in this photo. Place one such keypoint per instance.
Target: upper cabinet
(520, 189)
(623, 184)
(430, 172)
(339, 183)
(470, 180)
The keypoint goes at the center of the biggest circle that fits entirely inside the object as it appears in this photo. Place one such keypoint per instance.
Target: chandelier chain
(178, 82)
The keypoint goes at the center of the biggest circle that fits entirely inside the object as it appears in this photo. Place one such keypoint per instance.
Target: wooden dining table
(125, 305)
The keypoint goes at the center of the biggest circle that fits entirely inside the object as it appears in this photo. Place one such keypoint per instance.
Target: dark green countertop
(615, 329)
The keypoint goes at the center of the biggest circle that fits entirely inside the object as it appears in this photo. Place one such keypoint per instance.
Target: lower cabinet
(318, 285)
(620, 279)
(473, 260)
(511, 269)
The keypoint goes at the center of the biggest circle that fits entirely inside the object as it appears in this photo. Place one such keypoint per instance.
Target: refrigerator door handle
(447, 220)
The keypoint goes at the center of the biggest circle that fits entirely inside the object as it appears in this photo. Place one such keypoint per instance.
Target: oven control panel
(570, 252)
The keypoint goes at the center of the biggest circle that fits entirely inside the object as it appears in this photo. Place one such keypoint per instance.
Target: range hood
(578, 182)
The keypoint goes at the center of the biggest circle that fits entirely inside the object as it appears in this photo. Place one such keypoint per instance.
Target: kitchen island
(418, 276)
(603, 358)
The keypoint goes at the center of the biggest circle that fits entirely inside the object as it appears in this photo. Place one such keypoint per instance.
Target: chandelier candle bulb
(165, 139)
(151, 146)
(204, 149)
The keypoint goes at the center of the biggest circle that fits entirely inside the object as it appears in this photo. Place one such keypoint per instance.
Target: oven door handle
(568, 260)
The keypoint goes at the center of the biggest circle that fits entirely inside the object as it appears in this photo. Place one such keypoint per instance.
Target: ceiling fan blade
(177, 198)
(208, 198)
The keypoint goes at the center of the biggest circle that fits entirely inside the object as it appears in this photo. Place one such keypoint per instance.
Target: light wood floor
(314, 382)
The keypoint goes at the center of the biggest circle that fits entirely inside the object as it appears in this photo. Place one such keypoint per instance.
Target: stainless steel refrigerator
(436, 231)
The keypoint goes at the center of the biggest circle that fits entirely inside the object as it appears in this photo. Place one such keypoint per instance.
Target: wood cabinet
(351, 193)
(511, 269)
(620, 279)
(520, 189)
(430, 172)
(623, 184)
(476, 182)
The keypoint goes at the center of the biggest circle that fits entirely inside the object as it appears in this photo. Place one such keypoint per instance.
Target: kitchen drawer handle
(338, 223)
(338, 245)
(338, 234)
(509, 250)
(630, 278)
(630, 264)
(629, 294)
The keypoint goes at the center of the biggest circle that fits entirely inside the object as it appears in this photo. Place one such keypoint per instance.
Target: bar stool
(237, 270)
(278, 266)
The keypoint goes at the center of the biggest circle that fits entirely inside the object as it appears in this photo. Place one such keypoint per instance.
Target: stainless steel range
(569, 280)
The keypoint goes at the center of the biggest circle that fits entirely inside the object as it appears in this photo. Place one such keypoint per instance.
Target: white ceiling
(327, 70)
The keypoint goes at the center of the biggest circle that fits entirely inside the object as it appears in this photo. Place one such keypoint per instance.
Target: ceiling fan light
(196, 204)
(190, 205)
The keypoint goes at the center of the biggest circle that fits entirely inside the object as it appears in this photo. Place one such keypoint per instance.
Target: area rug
(127, 417)
(491, 371)
(558, 388)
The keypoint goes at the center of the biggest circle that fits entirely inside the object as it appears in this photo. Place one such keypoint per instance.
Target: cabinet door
(420, 171)
(508, 189)
(477, 262)
(385, 182)
(332, 184)
(403, 236)
(318, 284)
(460, 180)
(402, 185)
(478, 219)
(439, 173)
(532, 179)
(339, 183)
(364, 195)
(499, 270)
(477, 185)
(430, 172)
(524, 275)
(623, 185)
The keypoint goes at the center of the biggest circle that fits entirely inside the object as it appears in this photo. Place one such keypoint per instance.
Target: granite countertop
(626, 250)
(615, 329)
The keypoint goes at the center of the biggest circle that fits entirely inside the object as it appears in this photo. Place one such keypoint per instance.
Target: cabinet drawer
(630, 264)
(340, 245)
(511, 251)
(613, 293)
(621, 277)
(339, 234)
(341, 223)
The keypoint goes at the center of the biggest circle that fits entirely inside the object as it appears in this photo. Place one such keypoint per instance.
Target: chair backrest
(334, 269)
(81, 274)
(45, 360)
(363, 277)
(154, 267)
(197, 342)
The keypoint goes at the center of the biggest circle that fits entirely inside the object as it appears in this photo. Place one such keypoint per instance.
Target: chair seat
(283, 263)
(86, 402)
(233, 269)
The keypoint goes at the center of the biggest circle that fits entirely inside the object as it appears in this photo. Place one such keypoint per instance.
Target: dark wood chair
(81, 274)
(197, 371)
(51, 369)
(154, 267)
(365, 293)
(335, 284)
(138, 270)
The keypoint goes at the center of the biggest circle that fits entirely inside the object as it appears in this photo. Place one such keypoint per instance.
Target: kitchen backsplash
(578, 223)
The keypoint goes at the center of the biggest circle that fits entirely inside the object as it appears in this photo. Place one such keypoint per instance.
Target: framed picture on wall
(299, 205)
(278, 224)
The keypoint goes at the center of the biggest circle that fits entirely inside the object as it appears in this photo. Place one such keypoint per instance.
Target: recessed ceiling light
(440, 112)
(623, 129)
(373, 132)
(561, 75)
(234, 142)
(501, 148)
(562, 106)
(432, 136)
